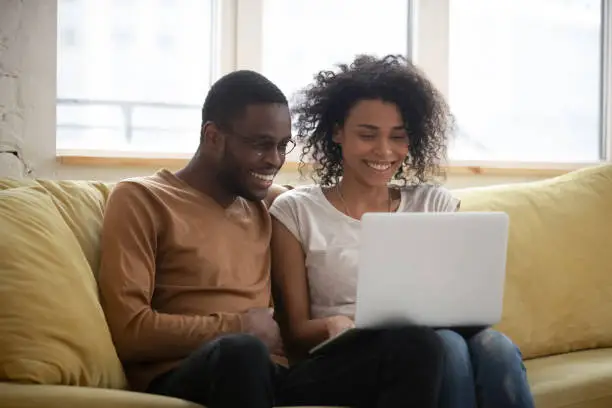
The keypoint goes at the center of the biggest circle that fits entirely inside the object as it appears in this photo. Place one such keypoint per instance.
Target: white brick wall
(27, 85)
(11, 106)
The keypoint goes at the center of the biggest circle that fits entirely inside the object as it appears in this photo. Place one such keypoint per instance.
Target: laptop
(442, 270)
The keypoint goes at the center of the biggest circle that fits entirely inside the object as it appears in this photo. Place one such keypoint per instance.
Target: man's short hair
(229, 97)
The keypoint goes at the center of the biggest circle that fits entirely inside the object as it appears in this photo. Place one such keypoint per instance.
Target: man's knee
(243, 347)
(414, 343)
(235, 352)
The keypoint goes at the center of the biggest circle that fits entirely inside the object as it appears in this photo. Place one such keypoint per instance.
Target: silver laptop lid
(433, 269)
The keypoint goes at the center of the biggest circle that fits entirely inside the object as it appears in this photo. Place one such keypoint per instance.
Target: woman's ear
(337, 135)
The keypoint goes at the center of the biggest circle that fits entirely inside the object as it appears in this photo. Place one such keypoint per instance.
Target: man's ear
(211, 136)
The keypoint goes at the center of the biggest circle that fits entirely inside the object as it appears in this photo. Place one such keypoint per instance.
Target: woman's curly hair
(323, 106)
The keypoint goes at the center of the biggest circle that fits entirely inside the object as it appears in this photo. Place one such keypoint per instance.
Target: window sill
(505, 169)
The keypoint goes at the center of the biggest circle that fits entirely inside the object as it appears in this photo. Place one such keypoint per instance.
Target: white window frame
(237, 44)
(606, 82)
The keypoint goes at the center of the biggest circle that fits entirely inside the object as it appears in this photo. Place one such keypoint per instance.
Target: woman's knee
(492, 348)
(500, 371)
(452, 342)
(457, 360)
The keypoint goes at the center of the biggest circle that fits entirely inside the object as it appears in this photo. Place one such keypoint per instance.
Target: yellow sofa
(56, 351)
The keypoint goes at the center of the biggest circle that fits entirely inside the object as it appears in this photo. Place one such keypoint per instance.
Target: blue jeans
(484, 371)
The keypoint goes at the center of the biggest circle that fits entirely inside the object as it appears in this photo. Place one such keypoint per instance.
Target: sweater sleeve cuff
(237, 324)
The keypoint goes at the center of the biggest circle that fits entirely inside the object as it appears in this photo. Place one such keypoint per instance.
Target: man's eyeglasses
(263, 146)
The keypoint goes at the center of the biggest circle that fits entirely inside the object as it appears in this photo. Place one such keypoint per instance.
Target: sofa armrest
(62, 396)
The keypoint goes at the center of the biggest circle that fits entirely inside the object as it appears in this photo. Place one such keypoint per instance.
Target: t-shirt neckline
(334, 211)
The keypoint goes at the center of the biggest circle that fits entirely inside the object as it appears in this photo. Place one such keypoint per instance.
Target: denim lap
(485, 371)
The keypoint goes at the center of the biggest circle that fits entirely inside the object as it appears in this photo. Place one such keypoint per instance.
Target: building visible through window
(132, 75)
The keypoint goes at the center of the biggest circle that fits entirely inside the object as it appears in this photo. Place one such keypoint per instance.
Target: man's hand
(261, 324)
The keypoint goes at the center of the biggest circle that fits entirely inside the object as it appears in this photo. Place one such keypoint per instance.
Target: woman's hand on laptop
(338, 324)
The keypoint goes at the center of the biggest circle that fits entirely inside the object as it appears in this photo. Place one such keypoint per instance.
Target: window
(525, 79)
(133, 74)
(302, 37)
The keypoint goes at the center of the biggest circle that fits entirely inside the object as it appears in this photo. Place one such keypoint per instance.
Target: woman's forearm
(309, 333)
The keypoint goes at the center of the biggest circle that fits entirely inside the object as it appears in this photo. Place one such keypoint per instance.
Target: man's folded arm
(127, 281)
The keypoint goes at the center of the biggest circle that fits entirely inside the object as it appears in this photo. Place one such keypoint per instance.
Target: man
(185, 273)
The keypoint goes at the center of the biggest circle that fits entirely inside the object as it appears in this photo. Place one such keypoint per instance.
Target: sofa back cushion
(81, 205)
(52, 328)
(558, 294)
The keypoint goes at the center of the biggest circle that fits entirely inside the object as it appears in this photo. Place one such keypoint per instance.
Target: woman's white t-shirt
(330, 240)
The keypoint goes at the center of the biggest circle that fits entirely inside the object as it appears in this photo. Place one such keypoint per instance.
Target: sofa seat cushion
(576, 380)
(558, 293)
(64, 396)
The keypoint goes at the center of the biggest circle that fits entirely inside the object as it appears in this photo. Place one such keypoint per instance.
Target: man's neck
(205, 179)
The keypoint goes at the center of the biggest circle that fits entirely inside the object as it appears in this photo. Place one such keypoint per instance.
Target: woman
(363, 126)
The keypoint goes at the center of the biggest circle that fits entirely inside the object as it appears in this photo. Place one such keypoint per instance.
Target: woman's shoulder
(424, 188)
(300, 210)
(300, 195)
(301, 192)
(428, 197)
